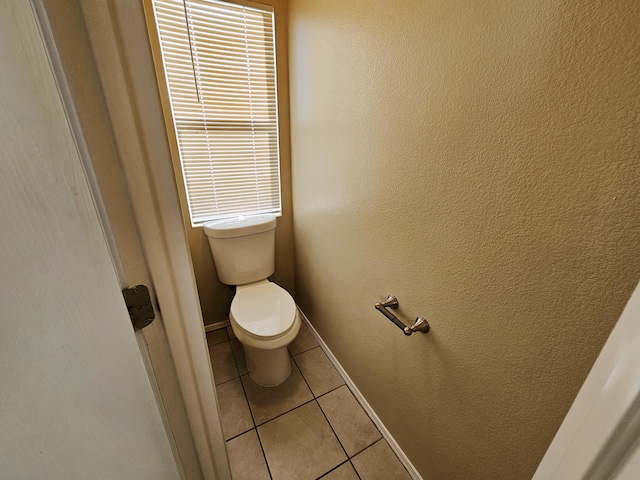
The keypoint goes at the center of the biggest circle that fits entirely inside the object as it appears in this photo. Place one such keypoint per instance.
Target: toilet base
(268, 368)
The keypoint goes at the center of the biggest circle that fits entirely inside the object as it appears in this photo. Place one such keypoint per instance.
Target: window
(219, 66)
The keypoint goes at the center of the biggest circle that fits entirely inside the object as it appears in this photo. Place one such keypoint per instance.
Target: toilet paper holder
(420, 325)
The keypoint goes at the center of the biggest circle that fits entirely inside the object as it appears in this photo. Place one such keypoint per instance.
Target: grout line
(209, 337)
(264, 455)
(213, 366)
(284, 413)
(332, 390)
(334, 432)
(349, 457)
(302, 373)
(381, 439)
(308, 385)
(335, 468)
(239, 435)
(363, 449)
(236, 360)
(315, 399)
(246, 399)
(303, 378)
(413, 473)
(227, 381)
(354, 469)
(307, 351)
(253, 419)
(303, 351)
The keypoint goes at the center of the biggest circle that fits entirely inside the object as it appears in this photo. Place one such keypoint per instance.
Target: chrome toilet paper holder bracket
(420, 325)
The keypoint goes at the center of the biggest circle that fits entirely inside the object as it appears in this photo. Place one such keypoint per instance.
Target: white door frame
(158, 217)
(601, 431)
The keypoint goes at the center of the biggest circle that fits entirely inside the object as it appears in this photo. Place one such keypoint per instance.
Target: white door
(75, 400)
(599, 438)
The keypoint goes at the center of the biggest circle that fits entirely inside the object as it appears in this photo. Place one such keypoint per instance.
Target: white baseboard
(372, 414)
(216, 326)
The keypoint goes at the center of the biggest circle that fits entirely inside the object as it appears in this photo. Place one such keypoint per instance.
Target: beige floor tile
(304, 341)
(343, 472)
(318, 371)
(269, 402)
(234, 409)
(238, 354)
(300, 445)
(378, 462)
(246, 459)
(352, 425)
(222, 362)
(217, 336)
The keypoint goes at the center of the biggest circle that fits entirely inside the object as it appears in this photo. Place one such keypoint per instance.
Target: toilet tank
(243, 248)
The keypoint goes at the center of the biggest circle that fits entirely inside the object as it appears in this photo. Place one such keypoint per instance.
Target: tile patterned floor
(309, 427)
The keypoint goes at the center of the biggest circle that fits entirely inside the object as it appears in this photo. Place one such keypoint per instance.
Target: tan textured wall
(481, 162)
(215, 297)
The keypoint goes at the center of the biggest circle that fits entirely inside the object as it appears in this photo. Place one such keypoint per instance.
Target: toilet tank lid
(240, 226)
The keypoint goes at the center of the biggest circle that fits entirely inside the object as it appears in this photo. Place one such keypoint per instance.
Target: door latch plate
(139, 305)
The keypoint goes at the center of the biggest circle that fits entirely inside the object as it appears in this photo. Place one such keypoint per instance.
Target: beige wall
(215, 297)
(481, 162)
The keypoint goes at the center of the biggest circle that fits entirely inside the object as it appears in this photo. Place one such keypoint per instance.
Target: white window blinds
(219, 63)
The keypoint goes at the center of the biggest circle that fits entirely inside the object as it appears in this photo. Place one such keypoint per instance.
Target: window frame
(167, 111)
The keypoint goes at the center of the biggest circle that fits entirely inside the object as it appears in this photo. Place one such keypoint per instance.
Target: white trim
(362, 400)
(157, 393)
(216, 326)
(599, 432)
(73, 121)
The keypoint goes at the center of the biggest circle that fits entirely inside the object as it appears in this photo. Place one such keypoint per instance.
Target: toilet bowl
(265, 319)
(263, 315)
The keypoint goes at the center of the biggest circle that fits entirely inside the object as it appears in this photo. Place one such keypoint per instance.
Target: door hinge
(139, 305)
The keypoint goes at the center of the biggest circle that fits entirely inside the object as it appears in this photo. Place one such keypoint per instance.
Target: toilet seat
(263, 311)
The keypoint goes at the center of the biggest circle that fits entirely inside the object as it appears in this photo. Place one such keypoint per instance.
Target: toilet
(263, 315)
